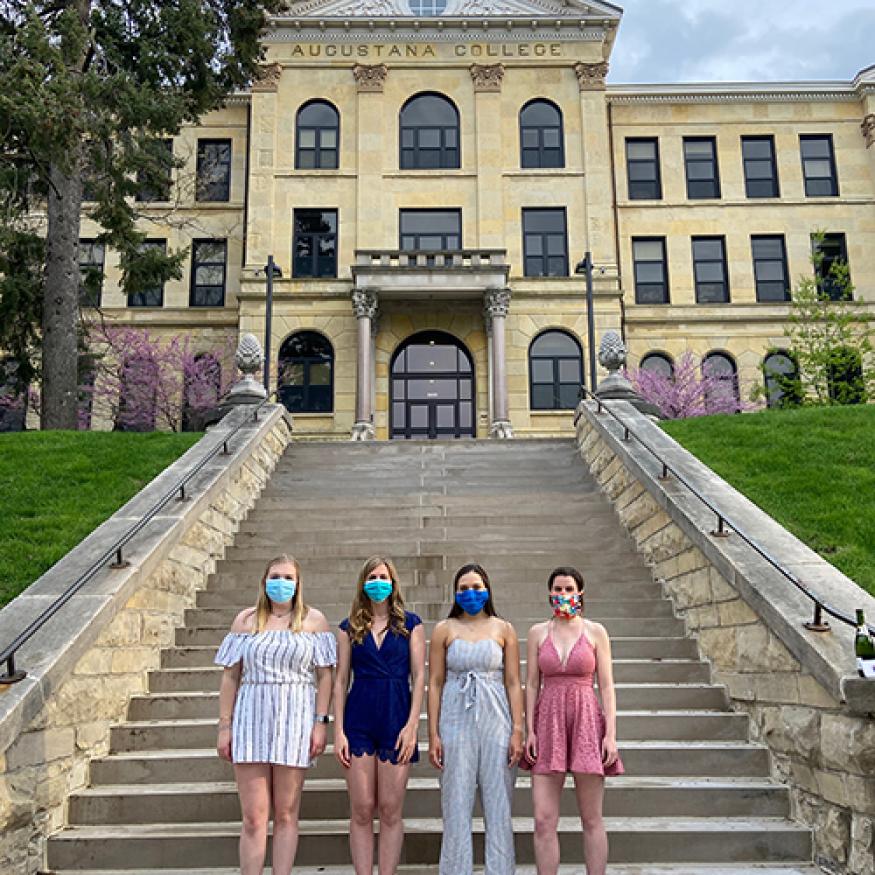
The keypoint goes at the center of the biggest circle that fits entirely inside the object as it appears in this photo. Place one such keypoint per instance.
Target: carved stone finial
(616, 386)
(268, 77)
(497, 302)
(247, 390)
(249, 354)
(487, 77)
(612, 352)
(370, 77)
(591, 77)
(364, 303)
(867, 126)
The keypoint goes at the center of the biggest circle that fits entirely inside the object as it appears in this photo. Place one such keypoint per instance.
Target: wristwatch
(322, 718)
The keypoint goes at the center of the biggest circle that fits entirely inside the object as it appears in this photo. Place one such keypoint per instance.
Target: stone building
(427, 175)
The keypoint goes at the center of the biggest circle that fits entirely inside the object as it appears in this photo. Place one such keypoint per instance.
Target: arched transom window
(306, 373)
(555, 371)
(317, 132)
(429, 133)
(541, 135)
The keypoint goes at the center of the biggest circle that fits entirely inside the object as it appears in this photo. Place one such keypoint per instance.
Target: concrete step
(649, 869)
(328, 798)
(325, 842)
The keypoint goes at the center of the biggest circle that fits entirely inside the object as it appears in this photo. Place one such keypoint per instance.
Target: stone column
(364, 305)
(497, 303)
(487, 319)
(375, 327)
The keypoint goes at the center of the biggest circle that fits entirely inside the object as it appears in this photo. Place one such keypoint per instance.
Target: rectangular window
(700, 159)
(642, 166)
(430, 230)
(213, 170)
(314, 247)
(709, 270)
(651, 270)
(208, 270)
(818, 165)
(91, 259)
(770, 268)
(831, 266)
(545, 242)
(155, 184)
(154, 295)
(760, 167)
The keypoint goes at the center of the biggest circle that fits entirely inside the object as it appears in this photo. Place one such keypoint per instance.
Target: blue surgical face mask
(280, 589)
(471, 601)
(378, 590)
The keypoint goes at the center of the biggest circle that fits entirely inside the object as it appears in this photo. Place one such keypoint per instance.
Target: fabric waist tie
(470, 681)
(277, 683)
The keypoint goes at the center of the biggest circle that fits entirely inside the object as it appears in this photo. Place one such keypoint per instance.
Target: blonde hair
(262, 606)
(361, 615)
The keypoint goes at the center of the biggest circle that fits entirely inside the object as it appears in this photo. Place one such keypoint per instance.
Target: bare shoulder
(597, 632)
(539, 631)
(508, 632)
(441, 630)
(315, 621)
(244, 621)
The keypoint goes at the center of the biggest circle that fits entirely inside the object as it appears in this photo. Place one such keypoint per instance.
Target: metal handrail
(11, 675)
(725, 526)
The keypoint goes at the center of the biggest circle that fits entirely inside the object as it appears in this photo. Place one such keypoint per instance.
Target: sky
(666, 41)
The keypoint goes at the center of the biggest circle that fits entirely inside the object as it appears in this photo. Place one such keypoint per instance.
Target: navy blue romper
(378, 704)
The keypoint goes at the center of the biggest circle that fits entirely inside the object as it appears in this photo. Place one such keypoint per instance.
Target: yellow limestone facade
(489, 58)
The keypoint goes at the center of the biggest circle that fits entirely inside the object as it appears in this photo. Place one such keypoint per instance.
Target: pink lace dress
(569, 721)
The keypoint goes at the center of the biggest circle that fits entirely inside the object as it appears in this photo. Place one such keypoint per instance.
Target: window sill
(565, 411)
(545, 171)
(437, 171)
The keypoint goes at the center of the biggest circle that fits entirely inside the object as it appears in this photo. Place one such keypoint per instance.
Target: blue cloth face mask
(471, 601)
(280, 589)
(378, 590)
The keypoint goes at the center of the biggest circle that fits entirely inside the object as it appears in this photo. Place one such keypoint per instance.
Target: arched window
(555, 371)
(541, 142)
(723, 395)
(306, 373)
(844, 374)
(781, 376)
(317, 133)
(429, 133)
(657, 363)
(138, 394)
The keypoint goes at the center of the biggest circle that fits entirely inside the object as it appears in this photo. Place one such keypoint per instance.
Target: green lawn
(812, 469)
(56, 487)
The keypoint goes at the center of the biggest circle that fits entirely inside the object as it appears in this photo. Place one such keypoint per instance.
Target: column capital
(591, 77)
(867, 126)
(364, 303)
(487, 77)
(496, 302)
(370, 77)
(268, 77)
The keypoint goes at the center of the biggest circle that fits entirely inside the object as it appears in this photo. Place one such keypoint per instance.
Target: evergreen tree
(88, 89)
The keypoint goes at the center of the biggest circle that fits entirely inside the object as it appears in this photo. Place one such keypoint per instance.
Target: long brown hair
(472, 567)
(262, 606)
(361, 615)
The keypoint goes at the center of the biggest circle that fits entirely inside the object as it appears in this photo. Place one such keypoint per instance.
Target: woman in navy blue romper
(376, 720)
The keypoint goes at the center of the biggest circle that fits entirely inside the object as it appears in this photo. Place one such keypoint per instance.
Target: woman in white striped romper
(475, 723)
(273, 710)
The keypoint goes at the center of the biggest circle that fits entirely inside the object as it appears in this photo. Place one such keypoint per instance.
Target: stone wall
(86, 663)
(799, 687)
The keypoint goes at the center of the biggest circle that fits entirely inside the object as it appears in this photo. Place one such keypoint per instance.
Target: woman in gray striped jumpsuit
(475, 720)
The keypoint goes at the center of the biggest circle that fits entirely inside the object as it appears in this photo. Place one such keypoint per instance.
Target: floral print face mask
(567, 606)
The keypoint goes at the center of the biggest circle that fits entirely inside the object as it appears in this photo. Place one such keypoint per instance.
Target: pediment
(455, 9)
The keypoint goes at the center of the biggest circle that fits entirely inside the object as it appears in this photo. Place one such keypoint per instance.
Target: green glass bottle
(864, 648)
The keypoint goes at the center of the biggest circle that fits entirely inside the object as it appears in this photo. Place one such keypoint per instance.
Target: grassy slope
(57, 487)
(812, 469)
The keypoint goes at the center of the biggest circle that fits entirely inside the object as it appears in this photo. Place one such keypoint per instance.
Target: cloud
(751, 40)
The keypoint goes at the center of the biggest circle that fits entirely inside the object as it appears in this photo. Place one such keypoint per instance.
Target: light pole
(271, 270)
(585, 267)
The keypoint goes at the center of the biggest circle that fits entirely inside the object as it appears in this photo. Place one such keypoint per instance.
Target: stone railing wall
(799, 687)
(95, 653)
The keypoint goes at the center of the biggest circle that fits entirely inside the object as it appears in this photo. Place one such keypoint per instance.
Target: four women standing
(277, 685)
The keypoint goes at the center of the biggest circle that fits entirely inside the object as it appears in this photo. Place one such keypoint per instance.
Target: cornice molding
(744, 92)
(432, 31)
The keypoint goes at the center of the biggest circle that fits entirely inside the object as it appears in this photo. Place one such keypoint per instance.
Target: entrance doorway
(432, 388)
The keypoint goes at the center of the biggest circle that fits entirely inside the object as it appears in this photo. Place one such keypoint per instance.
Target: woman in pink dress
(568, 730)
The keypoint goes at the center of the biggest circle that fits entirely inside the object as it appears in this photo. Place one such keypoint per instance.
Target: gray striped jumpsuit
(475, 728)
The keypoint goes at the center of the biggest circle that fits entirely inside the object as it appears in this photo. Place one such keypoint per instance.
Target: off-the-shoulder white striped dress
(276, 702)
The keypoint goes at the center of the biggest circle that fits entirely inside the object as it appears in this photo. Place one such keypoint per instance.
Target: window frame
(195, 264)
(224, 195)
(773, 161)
(405, 212)
(774, 392)
(314, 243)
(809, 180)
(318, 149)
(762, 299)
(545, 255)
(714, 160)
(664, 262)
(825, 286)
(720, 354)
(308, 362)
(656, 355)
(538, 152)
(410, 157)
(144, 195)
(655, 161)
(723, 268)
(84, 266)
(557, 383)
(157, 243)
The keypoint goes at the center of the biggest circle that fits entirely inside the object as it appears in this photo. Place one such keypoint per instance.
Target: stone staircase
(697, 796)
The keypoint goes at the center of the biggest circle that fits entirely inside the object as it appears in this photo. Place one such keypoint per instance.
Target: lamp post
(271, 270)
(585, 267)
